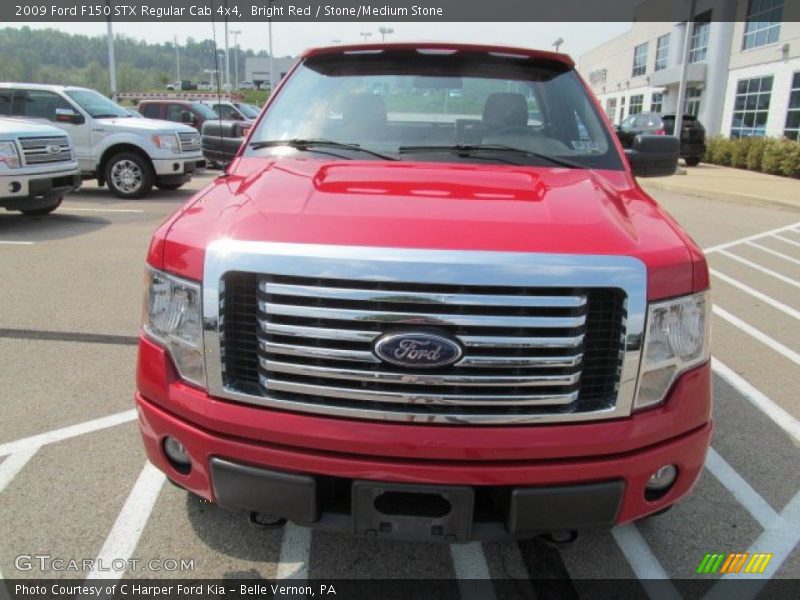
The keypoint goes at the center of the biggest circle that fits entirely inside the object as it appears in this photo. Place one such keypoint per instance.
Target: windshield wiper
(309, 144)
(108, 116)
(468, 150)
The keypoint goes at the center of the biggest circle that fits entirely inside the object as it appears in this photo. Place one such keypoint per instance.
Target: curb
(734, 197)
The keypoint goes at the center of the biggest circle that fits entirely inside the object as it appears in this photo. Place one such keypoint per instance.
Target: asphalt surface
(74, 483)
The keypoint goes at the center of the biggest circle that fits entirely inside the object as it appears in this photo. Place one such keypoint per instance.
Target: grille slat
(527, 350)
(189, 141)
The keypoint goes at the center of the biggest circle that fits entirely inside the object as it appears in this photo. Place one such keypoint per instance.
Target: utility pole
(384, 31)
(557, 44)
(177, 61)
(112, 66)
(271, 58)
(227, 58)
(235, 35)
(687, 40)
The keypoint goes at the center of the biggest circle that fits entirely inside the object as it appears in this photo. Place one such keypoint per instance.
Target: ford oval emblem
(417, 350)
(53, 149)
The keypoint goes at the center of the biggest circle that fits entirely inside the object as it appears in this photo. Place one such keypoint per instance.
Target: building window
(611, 109)
(763, 24)
(698, 47)
(792, 130)
(691, 104)
(751, 107)
(657, 102)
(636, 105)
(639, 60)
(662, 52)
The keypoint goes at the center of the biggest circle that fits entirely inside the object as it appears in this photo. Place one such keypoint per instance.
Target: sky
(289, 39)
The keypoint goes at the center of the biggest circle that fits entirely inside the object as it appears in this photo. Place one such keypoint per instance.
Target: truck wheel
(692, 161)
(37, 212)
(169, 187)
(129, 175)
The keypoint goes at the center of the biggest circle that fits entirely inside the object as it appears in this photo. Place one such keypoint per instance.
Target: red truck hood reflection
(431, 205)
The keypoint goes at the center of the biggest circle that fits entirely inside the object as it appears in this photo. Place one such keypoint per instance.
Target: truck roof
(565, 59)
(41, 86)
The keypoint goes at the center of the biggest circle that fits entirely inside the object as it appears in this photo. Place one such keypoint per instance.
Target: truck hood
(146, 125)
(13, 127)
(435, 206)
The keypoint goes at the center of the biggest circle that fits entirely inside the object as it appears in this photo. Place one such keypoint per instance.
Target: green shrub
(756, 153)
(739, 151)
(722, 152)
(790, 167)
(772, 160)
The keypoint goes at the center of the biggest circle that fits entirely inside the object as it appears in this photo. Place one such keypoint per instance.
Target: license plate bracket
(410, 511)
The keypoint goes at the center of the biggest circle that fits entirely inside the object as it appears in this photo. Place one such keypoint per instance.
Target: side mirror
(187, 117)
(653, 155)
(67, 115)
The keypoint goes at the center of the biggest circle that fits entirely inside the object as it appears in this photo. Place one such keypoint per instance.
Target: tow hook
(559, 539)
(266, 521)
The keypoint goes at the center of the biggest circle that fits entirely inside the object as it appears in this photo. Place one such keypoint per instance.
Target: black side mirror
(67, 115)
(653, 155)
(186, 117)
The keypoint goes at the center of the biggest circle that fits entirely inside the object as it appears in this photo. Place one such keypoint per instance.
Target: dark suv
(693, 134)
(179, 111)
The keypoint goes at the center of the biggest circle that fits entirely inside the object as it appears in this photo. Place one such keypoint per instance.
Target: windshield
(97, 105)
(416, 105)
(205, 110)
(248, 110)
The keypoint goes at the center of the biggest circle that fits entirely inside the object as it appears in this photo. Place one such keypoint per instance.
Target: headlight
(676, 340)
(167, 142)
(172, 317)
(8, 155)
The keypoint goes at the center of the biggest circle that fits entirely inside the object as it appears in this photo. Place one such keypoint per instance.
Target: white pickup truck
(37, 167)
(127, 154)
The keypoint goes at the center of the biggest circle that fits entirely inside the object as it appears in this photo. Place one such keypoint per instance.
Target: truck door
(41, 105)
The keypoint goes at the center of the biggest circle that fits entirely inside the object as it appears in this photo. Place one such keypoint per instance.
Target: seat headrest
(505, 109)
(365, 108)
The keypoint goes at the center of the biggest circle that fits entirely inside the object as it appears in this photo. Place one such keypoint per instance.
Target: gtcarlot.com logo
(741, 562)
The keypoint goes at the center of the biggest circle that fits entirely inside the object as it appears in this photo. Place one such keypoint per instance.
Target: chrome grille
(36, 150)
(527, 350)
(189, 141)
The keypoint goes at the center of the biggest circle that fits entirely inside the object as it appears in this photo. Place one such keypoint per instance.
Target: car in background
(38, 167)
(693, 134)
(235, 111)
(247, 85)
(205, 86)
(129, 155)
(184, 85)
(221, 140)
(189, 112)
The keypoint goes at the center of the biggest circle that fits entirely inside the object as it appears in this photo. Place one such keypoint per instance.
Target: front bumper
(593, 473)
(26, 191)
(182, 165)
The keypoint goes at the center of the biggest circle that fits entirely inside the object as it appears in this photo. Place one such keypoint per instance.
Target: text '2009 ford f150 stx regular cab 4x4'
(409, 313)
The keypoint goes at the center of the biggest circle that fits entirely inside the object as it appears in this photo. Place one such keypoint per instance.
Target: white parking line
(756, 294)
(124, 536)
(10, 243)
(295, 552)
(13, 465)
(750, 237)
(645, 565)
(761, 268)
(757, 334)
(57, 435)
(469, 562)
(787, 240)
(780, 539)
(774, 252)
(100, 210)
(782, 418)
(750, 499)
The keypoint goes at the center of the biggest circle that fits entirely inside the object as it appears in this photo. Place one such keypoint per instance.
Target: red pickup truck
(429, 300)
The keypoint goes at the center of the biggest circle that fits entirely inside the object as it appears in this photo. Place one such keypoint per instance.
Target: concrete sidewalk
(724, 183)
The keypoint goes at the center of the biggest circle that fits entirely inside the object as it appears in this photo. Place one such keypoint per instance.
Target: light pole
(271, 58)
(235, 35)
(557, 44)
(177, 61)
(365, 35)
(227, 58)
(384, 31)
(112, 66)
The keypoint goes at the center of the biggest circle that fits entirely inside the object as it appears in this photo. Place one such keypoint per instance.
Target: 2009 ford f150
(429, 300)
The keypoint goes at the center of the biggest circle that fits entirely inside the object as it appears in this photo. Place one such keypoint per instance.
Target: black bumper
(42, 192)
(445, 513)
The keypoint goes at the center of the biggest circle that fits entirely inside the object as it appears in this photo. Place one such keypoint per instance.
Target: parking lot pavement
(74, 482)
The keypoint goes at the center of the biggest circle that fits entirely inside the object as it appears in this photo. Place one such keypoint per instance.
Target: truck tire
(169, 187)
(37, 212)
(692, 161)
(129, 175)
